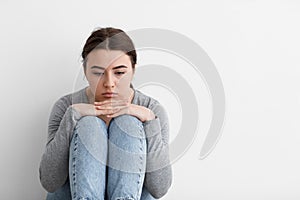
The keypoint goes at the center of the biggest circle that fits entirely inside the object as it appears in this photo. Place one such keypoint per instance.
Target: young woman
(107, 140)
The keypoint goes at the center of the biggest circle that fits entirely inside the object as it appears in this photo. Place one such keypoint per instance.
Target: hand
(141, 112)
(96, 110)
(115, 105)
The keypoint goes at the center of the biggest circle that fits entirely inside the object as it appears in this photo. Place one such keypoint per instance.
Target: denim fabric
(106, 162)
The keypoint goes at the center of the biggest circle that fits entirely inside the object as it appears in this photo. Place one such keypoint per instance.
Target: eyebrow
(117, 67)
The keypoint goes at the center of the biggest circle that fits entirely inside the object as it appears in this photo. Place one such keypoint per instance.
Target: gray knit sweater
(54, 163)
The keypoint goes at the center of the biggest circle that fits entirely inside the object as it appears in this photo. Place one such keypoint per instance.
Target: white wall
(254, 45)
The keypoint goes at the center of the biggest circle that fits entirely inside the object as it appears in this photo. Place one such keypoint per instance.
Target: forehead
(107, 58)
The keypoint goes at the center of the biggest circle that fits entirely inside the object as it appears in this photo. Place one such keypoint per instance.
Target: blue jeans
(106, 163)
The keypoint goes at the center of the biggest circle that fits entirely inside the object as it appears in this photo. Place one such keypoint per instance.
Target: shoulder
(66, 100)
(153, 104)
(145, 100)
(161, 121)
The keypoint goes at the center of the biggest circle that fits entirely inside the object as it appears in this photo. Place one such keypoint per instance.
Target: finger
(120, 112)
(108, 112)
(110, 102)
(111, 107)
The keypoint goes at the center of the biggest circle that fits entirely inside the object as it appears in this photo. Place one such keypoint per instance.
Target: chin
(97, 99)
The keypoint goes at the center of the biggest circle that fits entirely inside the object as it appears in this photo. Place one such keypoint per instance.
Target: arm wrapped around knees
(158, 177)
(53, 169)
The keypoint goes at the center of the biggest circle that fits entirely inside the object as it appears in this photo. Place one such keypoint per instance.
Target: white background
(254, 45)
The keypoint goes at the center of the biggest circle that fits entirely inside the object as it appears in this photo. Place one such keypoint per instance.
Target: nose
(108, 81)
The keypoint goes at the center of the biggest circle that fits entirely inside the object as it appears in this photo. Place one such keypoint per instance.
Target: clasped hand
(113, 108)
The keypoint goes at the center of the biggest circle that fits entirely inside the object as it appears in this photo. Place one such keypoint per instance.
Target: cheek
(126, 79)
(94, 83)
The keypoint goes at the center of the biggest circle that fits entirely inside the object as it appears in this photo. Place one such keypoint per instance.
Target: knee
(90, 128)
(90, 121)
(126, 132)
(128, 124)
(127, 120)
(90, 135)
(127, 144)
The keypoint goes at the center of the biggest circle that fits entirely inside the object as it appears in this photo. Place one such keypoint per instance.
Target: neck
(131, 95)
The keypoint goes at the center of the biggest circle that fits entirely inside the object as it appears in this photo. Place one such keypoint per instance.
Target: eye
(120, 73)
(98, 73)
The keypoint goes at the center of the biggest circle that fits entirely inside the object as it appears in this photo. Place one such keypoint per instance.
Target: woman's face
(109, 73)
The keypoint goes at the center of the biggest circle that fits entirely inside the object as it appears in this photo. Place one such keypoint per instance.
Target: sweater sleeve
(53, 169)
(158, 177)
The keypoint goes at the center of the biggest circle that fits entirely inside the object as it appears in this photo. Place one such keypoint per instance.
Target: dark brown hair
(110, 39)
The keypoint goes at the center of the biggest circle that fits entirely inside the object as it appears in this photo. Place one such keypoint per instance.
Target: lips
(109, 94)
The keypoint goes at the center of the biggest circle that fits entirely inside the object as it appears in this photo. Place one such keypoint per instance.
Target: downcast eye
(98, 74)
(120, 73)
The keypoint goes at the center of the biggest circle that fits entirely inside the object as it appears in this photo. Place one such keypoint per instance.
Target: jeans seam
(74, 164)
(139, 188)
